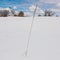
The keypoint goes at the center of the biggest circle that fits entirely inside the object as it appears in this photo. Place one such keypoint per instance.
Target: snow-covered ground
(44, 41)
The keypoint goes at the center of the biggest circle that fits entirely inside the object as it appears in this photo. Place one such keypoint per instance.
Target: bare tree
(49, 13)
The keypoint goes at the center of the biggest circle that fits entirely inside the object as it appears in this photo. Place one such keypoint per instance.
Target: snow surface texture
(44, 41)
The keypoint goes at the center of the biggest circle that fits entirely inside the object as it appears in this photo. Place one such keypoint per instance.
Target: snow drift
(44, 42)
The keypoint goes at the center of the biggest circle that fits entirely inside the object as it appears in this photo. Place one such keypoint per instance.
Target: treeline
(11, 12)
(6, 13)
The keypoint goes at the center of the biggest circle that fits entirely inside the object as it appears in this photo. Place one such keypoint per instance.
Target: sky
(24, 5)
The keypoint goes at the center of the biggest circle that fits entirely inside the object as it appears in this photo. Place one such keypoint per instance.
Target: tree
(4, 13)
(48, 13)
(21, 14)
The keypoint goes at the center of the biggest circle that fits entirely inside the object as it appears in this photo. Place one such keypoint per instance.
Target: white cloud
(27, 14)
(1, 8)
(50, 1)
(14, 7)
(56, 10)
(5, 9)
(58, 5)
(44, 1)
(32, 8)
